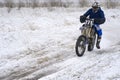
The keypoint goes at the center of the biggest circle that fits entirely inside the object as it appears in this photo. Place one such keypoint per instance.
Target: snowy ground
(39, 44)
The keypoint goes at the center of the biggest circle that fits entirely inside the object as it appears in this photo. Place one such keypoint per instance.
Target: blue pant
(98, 30)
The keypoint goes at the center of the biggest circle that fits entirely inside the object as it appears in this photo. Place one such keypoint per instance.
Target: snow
(38, 44)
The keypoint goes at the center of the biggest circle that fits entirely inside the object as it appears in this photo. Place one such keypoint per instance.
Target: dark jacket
(99, 17)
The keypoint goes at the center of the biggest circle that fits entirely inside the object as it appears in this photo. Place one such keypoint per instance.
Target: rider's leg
(99, 33)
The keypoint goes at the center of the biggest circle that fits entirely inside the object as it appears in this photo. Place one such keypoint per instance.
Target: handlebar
(89, 19)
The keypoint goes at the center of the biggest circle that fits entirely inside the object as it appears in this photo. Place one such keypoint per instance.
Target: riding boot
(98, 42)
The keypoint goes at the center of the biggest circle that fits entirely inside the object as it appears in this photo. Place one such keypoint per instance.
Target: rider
(98, 15)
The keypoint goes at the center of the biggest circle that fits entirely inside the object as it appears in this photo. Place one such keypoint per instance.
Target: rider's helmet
(95, 6)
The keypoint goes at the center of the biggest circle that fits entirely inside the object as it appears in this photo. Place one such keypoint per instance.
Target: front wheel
(80, 45)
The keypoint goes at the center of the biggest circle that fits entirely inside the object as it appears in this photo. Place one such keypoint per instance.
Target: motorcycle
(87, 38)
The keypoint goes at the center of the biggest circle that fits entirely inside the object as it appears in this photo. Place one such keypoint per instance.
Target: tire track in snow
(56, 69)
(42, 60)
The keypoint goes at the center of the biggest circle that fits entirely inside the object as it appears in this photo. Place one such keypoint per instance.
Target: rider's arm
(87, 13)
(102, 14)
(100, 20)
(83, 17)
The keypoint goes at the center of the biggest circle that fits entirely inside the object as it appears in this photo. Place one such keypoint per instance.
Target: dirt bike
(87, 38)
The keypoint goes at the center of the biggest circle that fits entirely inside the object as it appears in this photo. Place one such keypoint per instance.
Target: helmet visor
(95, 8)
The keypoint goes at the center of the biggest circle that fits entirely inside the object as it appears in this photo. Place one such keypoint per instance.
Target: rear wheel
(80, 45)
(92, 42)
(91, 45)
